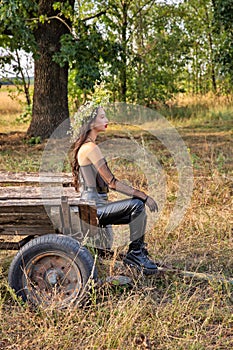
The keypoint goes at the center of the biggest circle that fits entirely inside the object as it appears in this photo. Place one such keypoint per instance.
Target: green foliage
(34, 140)
(15, 23)
(86, 54)
(145, 52)
(16, 33)
(26, 116)
(83, 55)
(224, 21)
(223, 13)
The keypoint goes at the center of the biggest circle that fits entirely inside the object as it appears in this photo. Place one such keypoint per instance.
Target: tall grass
(164, 312)
(200, 110)
(11, 107)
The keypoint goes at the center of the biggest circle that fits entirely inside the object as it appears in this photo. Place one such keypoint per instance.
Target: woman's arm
(96, 157)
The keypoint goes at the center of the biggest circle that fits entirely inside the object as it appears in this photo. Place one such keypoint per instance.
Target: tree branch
(95, 16)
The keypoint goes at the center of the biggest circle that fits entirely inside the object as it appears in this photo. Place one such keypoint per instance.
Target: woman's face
(101, 121)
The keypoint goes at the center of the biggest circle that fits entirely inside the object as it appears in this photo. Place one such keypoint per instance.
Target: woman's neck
(92, 136)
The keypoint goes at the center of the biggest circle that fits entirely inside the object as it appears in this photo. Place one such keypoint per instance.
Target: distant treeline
(14, 81)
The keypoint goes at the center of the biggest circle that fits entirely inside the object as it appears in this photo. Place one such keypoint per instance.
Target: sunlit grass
(204, 111)
(10, 123)
(11, 107)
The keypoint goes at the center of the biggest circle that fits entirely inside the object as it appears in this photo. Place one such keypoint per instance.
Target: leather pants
(127, 211)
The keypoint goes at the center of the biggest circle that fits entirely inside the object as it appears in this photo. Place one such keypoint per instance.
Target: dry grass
(200, 111)
(10, 110)
(166, 312)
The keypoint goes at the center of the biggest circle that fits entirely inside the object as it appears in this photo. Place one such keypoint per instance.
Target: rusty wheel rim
(52, 278)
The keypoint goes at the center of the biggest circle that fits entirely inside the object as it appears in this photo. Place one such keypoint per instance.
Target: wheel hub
(53, 276)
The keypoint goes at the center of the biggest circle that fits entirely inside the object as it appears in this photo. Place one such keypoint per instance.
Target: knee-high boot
(137, 255)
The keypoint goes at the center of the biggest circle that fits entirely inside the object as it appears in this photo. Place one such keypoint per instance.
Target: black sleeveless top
(90, 178)
(93, 185)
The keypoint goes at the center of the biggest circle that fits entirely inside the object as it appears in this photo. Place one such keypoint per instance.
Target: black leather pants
(127, 211)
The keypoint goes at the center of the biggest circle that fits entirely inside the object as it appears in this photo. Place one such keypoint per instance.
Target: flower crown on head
(88, 111)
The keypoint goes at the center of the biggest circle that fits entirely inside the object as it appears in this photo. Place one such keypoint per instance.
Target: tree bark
(50, 100)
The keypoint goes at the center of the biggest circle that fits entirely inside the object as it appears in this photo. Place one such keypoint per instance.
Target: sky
(26, 63)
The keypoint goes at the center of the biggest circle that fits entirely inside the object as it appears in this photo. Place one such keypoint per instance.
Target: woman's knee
(138, 206)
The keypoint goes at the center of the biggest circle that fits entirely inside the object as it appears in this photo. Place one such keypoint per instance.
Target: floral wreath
(88, 111)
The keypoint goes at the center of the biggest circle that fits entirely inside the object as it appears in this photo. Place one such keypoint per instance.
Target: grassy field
(166, 312)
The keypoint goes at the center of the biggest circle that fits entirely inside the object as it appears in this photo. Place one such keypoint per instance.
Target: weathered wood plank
(33, 192)
(20, 208)
(88, 219)
(15, 218)
(25, 230)
(23, 177)
(35, 202)
(15, 245)
(24, 218)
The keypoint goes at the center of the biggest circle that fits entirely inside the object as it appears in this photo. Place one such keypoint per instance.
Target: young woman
(90, 165)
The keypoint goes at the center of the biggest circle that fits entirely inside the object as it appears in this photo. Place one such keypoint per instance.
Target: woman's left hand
(151, 203)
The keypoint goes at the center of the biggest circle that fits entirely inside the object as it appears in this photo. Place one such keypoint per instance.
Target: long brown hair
(84, 131)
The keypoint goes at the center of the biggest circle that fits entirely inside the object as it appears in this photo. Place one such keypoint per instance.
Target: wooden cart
(46, 221)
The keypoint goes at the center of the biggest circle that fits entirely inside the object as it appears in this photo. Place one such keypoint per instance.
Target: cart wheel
(52, 270)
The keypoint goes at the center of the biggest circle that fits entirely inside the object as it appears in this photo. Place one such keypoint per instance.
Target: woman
(90, 165)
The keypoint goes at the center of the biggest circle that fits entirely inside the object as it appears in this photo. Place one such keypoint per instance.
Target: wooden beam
(66, 220)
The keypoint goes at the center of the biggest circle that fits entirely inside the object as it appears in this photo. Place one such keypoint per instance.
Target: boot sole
(142, 269)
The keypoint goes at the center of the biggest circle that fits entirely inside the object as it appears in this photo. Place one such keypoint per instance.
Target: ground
(165, 313)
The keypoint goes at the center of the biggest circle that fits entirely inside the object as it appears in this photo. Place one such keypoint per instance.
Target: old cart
(46, 226)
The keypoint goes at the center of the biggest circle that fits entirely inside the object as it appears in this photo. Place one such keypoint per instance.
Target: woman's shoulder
(89, 152)
(88, 145)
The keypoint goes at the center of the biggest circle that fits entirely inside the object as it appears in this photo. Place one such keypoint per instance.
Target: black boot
(137, 256)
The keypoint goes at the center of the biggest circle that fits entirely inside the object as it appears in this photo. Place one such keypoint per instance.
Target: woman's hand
(151, 203)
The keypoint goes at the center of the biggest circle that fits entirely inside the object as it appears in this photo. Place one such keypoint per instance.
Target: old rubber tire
(52, 270)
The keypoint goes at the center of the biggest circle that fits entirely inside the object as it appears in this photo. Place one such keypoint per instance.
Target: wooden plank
(26, 218)
(23, 177)
(9, 246)
(88, 219)
(22, 231)
(36, 202)
(15, 245)
(33, 192)
(9, 209)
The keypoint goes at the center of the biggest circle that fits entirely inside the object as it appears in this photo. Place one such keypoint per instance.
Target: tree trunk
(50, 101)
